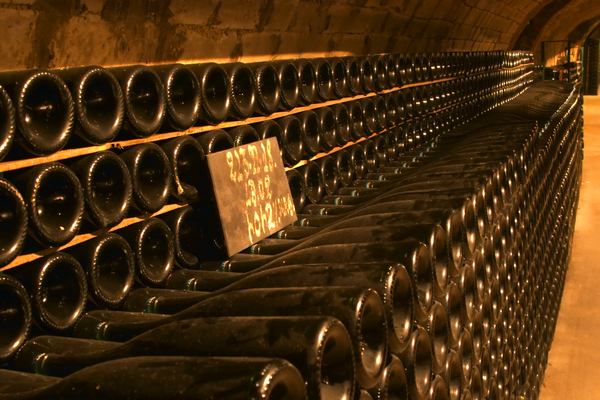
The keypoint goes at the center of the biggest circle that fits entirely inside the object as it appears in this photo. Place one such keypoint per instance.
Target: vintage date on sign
(252, 193)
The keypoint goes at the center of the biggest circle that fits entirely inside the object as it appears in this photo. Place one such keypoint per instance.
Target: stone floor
(574, 361)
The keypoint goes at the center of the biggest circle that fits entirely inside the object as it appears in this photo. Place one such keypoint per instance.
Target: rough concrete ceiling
(59, 33)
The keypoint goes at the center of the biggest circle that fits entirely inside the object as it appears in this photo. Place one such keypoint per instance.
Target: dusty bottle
(311, 133)
(327, 129)
(213, 141)
(151, 176)
(353, 72)
(367, 73)
(393, 383)
(243, 134)
(13, 222)
(297, 188)
(292, 144)
(188, 236)
(268, 87)
(98, 102)
(417, 362)
(16, 321)
(144, 99)
(290, 84)
(319, 347)
(340, 77)
(343, 124)
(58, 289)
(166, 377)
(186, 157)
(44, 110)
(242, 90)
(324, 74)
(313, 181)
(308, 81)
(182, 95)
(151, 242)
(55, 202)
(360, 310)
(214, 92)
(106, 188)
(8, 124)
(110, 268)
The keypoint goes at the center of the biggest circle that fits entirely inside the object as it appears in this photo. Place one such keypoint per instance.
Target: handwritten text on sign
(252, 193)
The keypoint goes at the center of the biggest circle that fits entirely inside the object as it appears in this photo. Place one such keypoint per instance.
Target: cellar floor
(573, 370)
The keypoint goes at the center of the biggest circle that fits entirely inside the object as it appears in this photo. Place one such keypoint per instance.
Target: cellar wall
(61, 33)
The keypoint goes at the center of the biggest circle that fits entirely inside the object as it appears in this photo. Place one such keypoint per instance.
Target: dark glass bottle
(417, 360)
(151, 176)
(166, 377)
(243, 134)
(7, 124)
(313, 181)
(330, 174)
(214, 92)
(13, 222)
(110, 268)
(44, 110)
(308, 81)
(343, 124)
(292, 144)
(353, 71)
(319, 347)
(311, 130)
(358, 160)
(152, 244)
(268, 129)
(186, 160)
(106, 187)
(393, 383)
(345, 167)
(379, 73)
(213, 141)
(324, 75)
(297, 188)
(144, 99)
(290, 84)
(58, 289)
(188, 236)
(391, 71)
(268, 87)
(242, 89)
(403, 77)
(16, 320)
(182, 91)
(55, 202)
(340, 77)
(369, 116)
(98, 102)
(367, 74)
(360, 310)
(327, 127)
(357, 120)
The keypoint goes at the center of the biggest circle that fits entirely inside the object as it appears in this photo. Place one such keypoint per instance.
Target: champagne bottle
(213, 141)
(292, 143)
(290, 85)
(58, 289)
(417, 363)
(324, 74)
(109, 266)
(44, 110)
(98, 102)
(380, 73)
(369, 116)
(297, 188)
(311, 132)
(358, 160)
(353, 71)
(166, 377)
(188, 236)
(327, 128)
(182, 95)
(268, 87)
(308, 81)
(54, 201)
(360, 310)
(106, 188)
(7, 126)
(144, 99)
(268, 129)
(151, 176)
(436, 326)
(357, 120)
(185, 156)
(452, 375)
(214, 92)
(340, 77)
(16, 316)
(330, 175)
(13, 222)
(452, 306)
(390, 280)
(243, 134)
(367, 74)
(320, 347)
(343, 124)
(393, 384)
(242, 89)
(152, 244)
(345, 167)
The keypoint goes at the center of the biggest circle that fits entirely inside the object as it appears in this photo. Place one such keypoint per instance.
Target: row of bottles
(374, 291)
(41, 109)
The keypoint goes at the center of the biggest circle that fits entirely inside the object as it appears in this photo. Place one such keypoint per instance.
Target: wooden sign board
(252, 193)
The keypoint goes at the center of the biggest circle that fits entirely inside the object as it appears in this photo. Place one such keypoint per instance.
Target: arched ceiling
(59, 33)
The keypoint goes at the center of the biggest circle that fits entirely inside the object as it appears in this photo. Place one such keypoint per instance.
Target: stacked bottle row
(43, 108)
(157, 301)
(97, 190)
